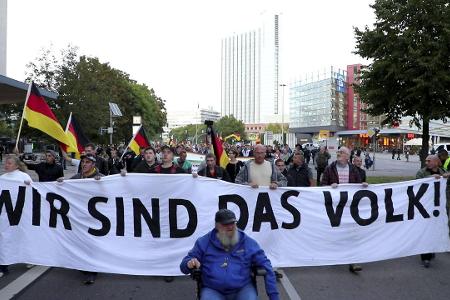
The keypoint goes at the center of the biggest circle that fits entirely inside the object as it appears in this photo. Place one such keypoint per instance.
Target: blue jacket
(227, 272)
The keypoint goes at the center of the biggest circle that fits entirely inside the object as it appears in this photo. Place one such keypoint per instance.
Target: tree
(228, 125)
(189, 132)
(85, 86)
(276, 127)
(410, 72)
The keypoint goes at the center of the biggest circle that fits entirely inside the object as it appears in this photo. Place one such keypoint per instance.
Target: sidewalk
(67, 173)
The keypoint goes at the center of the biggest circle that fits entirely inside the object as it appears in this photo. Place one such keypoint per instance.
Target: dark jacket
(322, 160)
(362, 174)
(330, 175)
(425, 172)
(233, 169)
(80, 175)
(299, 176)
(114, 166)
(235, 274)
(47, 172)
(220, 173)
(174, 169)
(100, 164)
(144, 167)
(135, 161)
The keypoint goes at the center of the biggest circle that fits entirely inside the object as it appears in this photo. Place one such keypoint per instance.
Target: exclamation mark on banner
(437, 197)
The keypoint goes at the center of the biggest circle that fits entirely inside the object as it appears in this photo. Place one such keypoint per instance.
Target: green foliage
(189, 132)
(5, 130)
(85, 86)
(225, 126)
(410, 72)
(276, 127)
(228, 125)
(387, 179)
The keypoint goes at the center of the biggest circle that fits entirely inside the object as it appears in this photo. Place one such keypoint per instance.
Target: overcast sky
(174, 46)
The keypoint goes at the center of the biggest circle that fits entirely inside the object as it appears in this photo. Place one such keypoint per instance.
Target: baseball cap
(225, 217)
(88, 156)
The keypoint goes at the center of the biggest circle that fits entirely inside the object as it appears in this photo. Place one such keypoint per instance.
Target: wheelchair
(196, 274)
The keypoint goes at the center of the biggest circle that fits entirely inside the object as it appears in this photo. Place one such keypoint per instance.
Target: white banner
(145, 224)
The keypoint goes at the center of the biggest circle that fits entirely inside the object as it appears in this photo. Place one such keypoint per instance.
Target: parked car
(446, 146)
(29, 156)
(310, 146)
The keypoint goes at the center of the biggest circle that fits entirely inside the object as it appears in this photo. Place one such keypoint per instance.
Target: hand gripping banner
(144, 224)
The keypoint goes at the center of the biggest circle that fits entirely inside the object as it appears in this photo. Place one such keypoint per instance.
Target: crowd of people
(255, 166)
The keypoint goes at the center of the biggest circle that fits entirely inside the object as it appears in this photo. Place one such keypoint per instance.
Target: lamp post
(282, 114)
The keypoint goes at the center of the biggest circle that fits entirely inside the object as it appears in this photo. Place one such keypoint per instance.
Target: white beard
(226, 241)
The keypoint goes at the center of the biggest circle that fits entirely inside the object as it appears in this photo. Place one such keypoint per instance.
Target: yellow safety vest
(447, 162)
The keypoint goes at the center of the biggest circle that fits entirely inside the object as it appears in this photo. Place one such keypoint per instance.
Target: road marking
(288, 287)
(12, 289)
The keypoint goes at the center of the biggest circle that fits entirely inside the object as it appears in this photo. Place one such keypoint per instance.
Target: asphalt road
(403, 278)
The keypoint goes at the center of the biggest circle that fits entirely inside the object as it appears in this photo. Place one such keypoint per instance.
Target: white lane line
(22, 282)
(288, 287)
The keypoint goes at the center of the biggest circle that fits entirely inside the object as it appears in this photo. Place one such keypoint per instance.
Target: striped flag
(219, 152)
(76, 137)
(40, 116)
(139, 140)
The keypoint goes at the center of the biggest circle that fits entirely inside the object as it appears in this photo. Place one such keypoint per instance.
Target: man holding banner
(341, 171)
(431, 169)
(88, 170)
(260, 172)
(100, 163)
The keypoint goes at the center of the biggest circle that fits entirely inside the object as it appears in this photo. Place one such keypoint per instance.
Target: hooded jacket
(229, 271)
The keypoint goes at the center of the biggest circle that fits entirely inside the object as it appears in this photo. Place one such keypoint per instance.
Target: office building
(250, 73)
(318, 101)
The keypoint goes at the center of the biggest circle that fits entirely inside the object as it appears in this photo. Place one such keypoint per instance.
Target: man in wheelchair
(226, 256)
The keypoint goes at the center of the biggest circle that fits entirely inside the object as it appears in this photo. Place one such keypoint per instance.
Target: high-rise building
(250, 73)
(3, 31)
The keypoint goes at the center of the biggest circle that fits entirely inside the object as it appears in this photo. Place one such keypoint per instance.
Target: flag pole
(68, 122)
(16, 148)
(66, 130)
(132, 139)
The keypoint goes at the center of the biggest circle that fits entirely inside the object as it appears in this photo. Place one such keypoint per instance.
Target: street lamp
(282, 114)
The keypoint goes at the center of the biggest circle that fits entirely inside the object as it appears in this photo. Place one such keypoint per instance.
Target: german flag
(40, 116)
(217, 144)
(76, 137)
(139, 140)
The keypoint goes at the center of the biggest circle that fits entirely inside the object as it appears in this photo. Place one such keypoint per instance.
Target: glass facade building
(319, 102)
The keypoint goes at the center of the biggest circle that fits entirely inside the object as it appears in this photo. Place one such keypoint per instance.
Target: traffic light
(377, 132)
